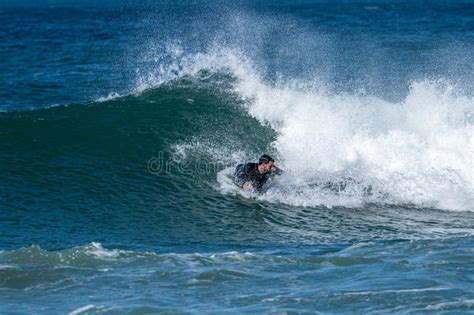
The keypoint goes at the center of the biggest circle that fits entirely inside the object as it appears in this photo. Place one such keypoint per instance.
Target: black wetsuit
(249, 173)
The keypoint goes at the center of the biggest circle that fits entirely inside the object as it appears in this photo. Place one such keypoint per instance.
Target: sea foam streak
(346, 148)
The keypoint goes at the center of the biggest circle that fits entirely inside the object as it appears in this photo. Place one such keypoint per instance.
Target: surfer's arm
(277, 171)
(241, 177)
(239, 181)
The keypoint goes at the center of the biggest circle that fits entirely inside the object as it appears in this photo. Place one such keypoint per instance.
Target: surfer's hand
(277, 171)
(247, 185)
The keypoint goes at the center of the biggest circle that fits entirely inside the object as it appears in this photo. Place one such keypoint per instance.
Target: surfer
(255, 175)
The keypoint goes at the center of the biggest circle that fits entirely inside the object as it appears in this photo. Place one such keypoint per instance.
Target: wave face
(117, 149)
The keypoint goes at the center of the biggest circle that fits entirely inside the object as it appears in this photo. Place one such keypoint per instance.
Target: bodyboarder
(255, 175)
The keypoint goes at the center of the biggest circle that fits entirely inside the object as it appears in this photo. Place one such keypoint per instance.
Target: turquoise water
(121, 123)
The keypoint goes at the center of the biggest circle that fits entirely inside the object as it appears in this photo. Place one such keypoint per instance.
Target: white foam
(456, 304)
(93, 308)
(82, 309)
(97, 250)
(110, 96)
(397, 291)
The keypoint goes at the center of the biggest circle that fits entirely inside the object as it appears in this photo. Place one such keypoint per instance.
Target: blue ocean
(121, 124)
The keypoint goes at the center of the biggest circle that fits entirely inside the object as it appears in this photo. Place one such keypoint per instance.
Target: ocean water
(121, 123)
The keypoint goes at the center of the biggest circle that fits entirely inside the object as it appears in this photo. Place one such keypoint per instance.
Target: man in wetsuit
(254, 175)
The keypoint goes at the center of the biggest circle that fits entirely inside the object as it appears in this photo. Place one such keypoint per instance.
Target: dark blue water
(121, 123)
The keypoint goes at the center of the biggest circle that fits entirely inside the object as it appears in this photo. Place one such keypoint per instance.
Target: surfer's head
(265, 164)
